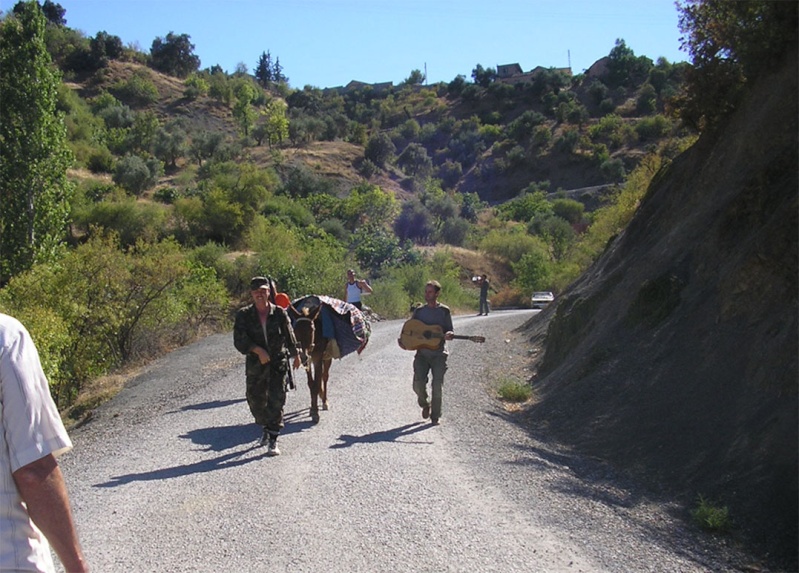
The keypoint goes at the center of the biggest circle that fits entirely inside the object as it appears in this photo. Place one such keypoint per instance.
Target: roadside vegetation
(711, 517)
(140, 192)
(514, 390)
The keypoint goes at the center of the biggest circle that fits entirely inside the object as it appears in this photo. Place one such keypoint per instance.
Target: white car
(541, 299)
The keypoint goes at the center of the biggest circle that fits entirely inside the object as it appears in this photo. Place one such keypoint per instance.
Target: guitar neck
(462, 337)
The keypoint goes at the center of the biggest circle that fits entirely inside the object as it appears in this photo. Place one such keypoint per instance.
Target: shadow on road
(392, 435)
(209, 405)
(215, 439)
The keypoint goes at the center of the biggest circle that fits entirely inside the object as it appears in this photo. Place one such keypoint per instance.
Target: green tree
(170, 144)
(174, 55)
(556, 231)
(135, 174)
(483, 76)
(196, 85)
(569, 209)
(277, 73)
(104, 47)
(34, 157)
(263, 70)
(730, 43)
(529, 203)
(376, 248)
(534, 269)
(367, 204)
(204, 145)
(415, 161)
(416, 78)
(243, 110)
(625, 68)
(54, 13)
(276, 124)
(414, 222)
(380, 149)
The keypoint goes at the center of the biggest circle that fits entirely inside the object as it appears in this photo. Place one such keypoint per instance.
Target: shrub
(526, 205)
(120, 116)
(516, 156)
(541, 136)
(514, 391)
(149, 296)
(380, 149)
(613, 170)
(414, 222)
(100, 161)
(567, 142)
(167, 195)
(335, 228)
(653, 127)
(568, 209)
(534, 268)
(711, 517)
(388, 299)
(367, 169)
(510, 296)
(137, 90)
(646, 102)
(130, 220)
(509, 245)
(606, 106)
(135, 174)
(195, 86)
(450, 173)
(454, 231)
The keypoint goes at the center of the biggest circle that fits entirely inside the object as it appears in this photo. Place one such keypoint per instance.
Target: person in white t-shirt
(34, 505)
(355, 288)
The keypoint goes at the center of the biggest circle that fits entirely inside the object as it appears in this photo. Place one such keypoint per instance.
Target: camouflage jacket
(248, 333)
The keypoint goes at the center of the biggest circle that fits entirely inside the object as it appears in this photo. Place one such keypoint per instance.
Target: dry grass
(95, 393)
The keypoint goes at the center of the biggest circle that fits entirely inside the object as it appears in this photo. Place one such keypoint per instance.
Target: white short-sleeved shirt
(31, 429)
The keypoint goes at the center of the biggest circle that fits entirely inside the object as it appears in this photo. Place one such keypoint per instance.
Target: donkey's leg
(325, 376)
(313, 386)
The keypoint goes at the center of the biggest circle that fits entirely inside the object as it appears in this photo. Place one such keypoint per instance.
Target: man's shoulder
(245, 311)
(444, 307)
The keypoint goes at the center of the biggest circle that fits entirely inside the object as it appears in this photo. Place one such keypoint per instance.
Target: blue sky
(327, 43)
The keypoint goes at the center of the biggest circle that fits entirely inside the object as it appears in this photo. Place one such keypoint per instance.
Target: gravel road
(166, 476)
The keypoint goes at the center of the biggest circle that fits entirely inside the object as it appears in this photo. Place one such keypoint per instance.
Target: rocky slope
(675, 356)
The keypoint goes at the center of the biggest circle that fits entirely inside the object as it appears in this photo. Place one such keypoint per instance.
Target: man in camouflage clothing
(263, 333)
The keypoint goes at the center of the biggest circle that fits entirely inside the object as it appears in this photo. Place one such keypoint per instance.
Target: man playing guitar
(427, 359)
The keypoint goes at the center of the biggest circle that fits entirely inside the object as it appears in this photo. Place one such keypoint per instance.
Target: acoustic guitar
(416, 334)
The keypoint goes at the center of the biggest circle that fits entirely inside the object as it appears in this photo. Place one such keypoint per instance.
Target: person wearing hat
(262, 332)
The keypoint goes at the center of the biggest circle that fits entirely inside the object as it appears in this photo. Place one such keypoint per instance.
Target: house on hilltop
(513, 74)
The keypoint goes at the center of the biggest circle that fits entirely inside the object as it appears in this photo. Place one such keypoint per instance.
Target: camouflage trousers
(266, 395)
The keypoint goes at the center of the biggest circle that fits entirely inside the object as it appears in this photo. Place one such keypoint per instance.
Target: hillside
(675, 355)
(495, 142)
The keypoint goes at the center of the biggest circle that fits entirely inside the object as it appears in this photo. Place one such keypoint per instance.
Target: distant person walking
(354, 289)
(484, 283)
(263, 333)
(34, 505)
(428, 360)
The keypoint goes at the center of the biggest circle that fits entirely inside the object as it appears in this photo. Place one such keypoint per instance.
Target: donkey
(308, 332)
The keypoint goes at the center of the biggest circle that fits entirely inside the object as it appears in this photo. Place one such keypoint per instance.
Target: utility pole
(425, 73)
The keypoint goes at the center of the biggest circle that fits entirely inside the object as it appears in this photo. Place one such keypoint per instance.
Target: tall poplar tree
(34, 157)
